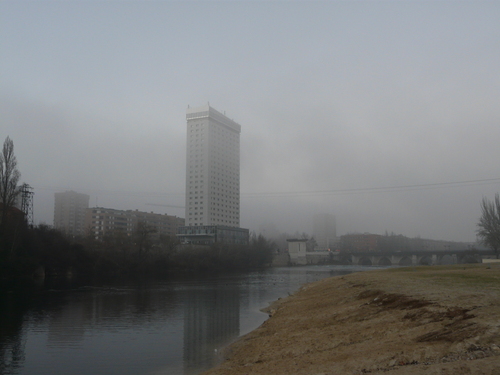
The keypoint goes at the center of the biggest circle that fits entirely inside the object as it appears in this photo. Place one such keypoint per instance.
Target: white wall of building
(297, 251)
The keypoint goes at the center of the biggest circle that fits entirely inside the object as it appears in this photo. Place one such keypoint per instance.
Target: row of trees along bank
(42, 251)
(27, 251)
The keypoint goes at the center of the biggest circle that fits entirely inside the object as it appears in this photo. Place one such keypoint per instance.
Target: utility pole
(27, 203)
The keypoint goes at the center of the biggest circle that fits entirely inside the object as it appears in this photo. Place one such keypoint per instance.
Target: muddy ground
(432, 320)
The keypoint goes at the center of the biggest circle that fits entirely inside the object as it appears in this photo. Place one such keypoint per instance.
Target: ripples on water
(170, 327)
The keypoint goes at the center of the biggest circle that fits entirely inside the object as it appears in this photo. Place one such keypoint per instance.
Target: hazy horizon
(384, 114)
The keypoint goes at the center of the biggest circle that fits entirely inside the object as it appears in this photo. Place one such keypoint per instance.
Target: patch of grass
(482, 275)
(448, 267)
(471, 279)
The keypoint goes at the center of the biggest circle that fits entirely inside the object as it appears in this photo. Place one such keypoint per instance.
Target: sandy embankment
(432, 320)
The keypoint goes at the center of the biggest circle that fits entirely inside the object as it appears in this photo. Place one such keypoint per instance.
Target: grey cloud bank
(332, 97)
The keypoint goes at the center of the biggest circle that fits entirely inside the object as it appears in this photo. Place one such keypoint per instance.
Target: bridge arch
(346, 259)
(469, 258)
(405, 261)
(426, 260)
(365, 261)
(384, 261)
(446, 259)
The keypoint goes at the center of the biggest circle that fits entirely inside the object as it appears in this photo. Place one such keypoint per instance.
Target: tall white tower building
(212, 169)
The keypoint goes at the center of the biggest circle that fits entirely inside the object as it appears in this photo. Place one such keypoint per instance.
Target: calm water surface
(169, 327)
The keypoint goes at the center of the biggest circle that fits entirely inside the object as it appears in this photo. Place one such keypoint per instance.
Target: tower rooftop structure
(208, 112)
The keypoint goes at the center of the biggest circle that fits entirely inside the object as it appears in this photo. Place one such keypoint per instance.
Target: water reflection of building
(68, 325)
(211, 320)
(12, 335)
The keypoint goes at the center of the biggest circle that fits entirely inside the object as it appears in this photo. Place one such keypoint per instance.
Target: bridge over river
(411, 258)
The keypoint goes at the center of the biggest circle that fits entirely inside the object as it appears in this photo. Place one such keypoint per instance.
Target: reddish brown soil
(432, 320)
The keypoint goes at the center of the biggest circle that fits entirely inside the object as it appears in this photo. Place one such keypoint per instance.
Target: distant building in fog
(69, 212)
(324, 231)
(360, 242)
(397, 243)
(100, 222)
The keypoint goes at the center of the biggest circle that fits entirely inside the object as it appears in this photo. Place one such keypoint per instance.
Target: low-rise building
(360, 242)
(210, 234)
(101, 221)
(297, 251)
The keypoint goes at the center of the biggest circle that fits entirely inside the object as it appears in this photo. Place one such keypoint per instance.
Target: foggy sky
(336, 99)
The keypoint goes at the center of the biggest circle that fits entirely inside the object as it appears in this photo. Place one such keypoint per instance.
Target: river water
(174, 327)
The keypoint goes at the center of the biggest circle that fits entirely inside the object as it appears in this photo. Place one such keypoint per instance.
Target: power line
(384, 189)
(118, 192)
(347, 191)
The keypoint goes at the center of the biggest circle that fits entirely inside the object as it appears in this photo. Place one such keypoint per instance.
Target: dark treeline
(38, 252)
(45, 252)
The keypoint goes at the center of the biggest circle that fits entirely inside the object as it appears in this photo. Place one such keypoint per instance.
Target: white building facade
(212, 169)
(297, 251)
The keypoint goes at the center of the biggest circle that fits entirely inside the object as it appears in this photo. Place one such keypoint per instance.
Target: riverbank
(437, 320)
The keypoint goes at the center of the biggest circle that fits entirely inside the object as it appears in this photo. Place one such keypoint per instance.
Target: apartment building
(101, 221)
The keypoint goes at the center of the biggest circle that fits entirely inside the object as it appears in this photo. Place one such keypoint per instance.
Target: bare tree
(9, 177)
(489, 223)
(143, 234)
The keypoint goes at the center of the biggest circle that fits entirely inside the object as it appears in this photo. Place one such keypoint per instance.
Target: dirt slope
(432, 320)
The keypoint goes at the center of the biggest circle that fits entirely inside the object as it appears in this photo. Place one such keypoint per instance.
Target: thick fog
(384, 114)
